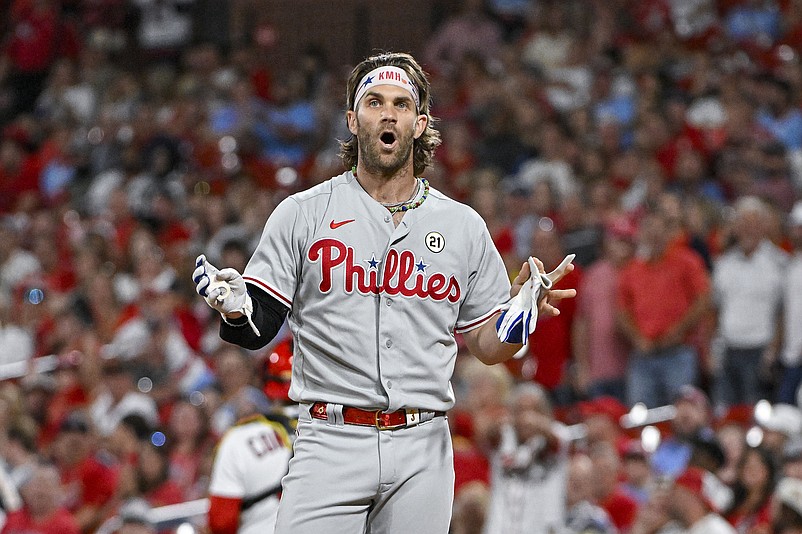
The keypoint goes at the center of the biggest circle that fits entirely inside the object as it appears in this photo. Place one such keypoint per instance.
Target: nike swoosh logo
(334, 225)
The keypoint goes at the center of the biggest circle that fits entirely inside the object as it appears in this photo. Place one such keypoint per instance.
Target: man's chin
(386, 164)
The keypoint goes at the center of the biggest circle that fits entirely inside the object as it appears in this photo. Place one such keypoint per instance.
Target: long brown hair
(423, 147)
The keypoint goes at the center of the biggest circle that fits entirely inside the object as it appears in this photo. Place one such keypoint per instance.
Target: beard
(376, 160)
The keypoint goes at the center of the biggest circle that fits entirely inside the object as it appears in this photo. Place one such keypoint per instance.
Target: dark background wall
(347, 30)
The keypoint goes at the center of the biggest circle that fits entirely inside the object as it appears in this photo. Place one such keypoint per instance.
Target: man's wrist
(235, 319)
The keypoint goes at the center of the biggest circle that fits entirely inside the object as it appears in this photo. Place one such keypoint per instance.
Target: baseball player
(377, 271)
(249, 463)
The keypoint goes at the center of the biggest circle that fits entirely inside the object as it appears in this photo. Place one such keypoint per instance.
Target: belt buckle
(381, 425)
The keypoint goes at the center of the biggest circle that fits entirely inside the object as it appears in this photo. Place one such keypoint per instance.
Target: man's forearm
(483, 342)
(268, 316)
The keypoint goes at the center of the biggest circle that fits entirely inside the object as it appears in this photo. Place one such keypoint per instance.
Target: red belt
(377, 418)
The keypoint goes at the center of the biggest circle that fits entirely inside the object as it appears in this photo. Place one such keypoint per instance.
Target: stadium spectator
(693, 417)
(599, 351)
(148, 478)
(528, 467)
(778, 114)
(750, 510)
(608, 490)
(35, 40)
(654, 516)
(657, 318)
(582, 514)
(19, 454)
(731, 431)
(692, 504)
(88, 484)
(638, 481)
(42, 511)
(118, 397)
(470, 31)
(123, 444)
(235, 373)
(484, 402)
(748, 312)
(602, 419)
(191, 444)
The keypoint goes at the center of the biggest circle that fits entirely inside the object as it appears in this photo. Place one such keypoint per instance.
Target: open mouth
(387, 139)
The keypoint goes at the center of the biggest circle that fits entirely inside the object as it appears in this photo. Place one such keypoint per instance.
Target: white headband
(386, 75)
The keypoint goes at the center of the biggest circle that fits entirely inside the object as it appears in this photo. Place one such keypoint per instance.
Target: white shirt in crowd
(748, 292)
(527, 484)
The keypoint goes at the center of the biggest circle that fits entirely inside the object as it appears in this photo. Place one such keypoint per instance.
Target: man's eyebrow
(399, 98)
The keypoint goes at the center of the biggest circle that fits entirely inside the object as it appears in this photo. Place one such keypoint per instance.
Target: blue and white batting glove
(519, 318)
(224, 290)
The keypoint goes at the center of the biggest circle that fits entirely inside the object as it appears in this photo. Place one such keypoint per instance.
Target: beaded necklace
(411, 203)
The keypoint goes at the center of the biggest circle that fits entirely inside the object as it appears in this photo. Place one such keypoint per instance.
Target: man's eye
(403, 105)
(373, 103)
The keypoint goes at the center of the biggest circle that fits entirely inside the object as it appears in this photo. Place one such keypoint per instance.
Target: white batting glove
(519, 318)
(224, 290)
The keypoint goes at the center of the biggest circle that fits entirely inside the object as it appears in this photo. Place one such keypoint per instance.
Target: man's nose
(389, 113)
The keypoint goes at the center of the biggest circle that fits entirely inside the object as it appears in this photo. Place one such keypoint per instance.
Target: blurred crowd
(658, 140)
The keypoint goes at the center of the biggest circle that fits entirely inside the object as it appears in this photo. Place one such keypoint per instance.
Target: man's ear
(350, 119)
(420, 125)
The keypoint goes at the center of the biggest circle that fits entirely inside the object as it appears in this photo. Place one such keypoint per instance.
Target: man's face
(386, 125)
(689, 418)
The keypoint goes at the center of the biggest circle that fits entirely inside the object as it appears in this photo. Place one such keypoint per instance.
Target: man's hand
(531, 294)
(224, 290)
(547, 296)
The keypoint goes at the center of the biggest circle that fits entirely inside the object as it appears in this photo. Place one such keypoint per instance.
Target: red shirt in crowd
(658, 293)
(169, 492)
(90, 482)
(15, 182)
(59, 522)
(32, 43)
(621, 508)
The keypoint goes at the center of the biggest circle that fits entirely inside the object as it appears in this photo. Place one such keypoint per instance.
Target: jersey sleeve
(276, 263)
(488, 284)
(227, 475)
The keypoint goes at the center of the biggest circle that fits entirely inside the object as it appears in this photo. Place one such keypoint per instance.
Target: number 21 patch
(435, 241)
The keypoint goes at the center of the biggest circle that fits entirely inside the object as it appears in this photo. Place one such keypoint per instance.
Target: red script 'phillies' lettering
(398, 273)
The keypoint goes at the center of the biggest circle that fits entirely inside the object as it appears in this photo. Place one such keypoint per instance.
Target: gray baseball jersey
(374, 307)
